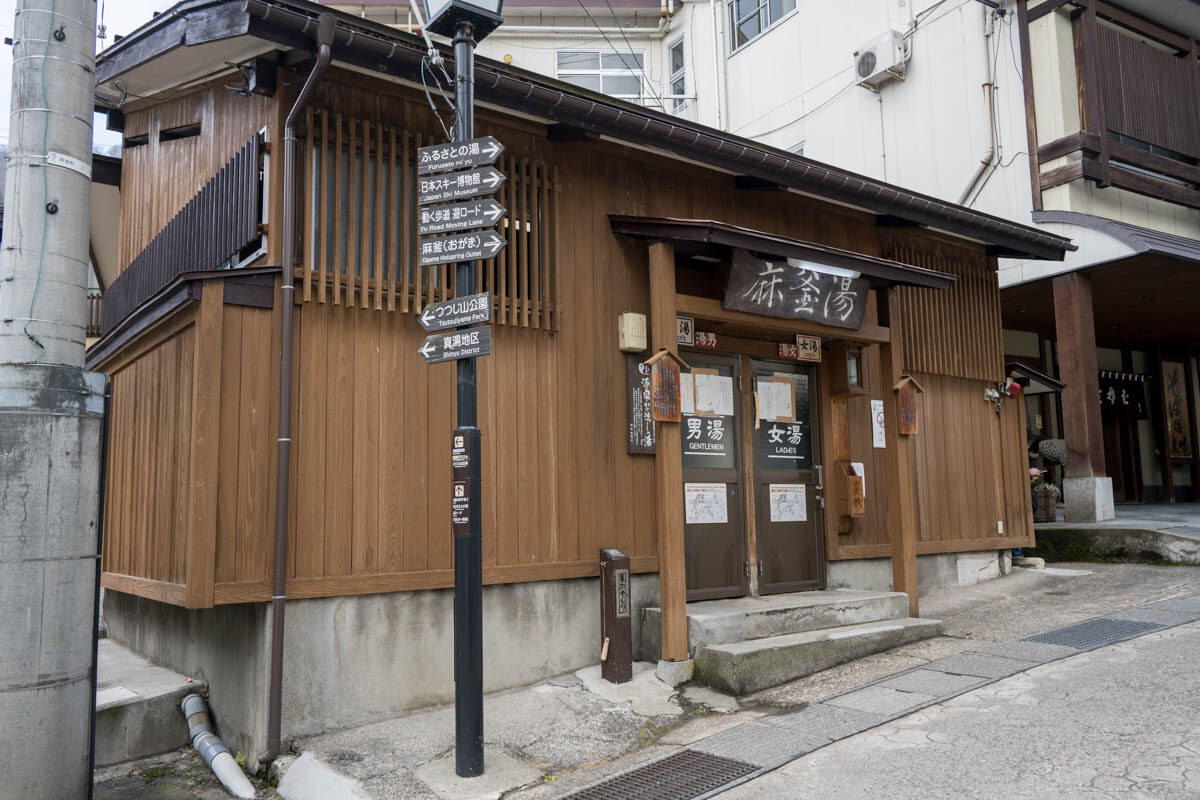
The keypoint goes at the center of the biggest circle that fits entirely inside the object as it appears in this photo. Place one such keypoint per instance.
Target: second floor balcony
(1114, 98)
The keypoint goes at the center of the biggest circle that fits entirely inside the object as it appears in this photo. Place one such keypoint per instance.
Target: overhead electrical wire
(612, 46)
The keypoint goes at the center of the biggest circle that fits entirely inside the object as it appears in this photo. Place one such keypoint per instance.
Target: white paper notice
(687, 396)
(705, 503)
(714, 394)
(878, 437)
(861, 471)
(776, 401)
(788, 503)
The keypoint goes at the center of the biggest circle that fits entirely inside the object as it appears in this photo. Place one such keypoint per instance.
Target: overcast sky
(119, 16)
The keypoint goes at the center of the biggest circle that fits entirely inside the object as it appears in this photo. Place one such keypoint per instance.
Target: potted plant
(1045, 496)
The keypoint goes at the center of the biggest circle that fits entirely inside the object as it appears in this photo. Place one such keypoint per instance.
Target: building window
(616, 74)
(677, 79)
(749, 18)
(798, 149)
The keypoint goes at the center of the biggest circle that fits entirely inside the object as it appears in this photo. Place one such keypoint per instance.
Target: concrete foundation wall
(227, 646)
(357, 659)
(934, 572)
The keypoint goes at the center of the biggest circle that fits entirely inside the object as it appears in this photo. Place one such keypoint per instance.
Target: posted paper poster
(877, 431)
(788, 502)
(687, 395)
(705, 503)
(714, 394)
(776, 401)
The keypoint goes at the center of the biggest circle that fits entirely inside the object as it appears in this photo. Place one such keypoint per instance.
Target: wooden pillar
(1075, 331)
(1164, 428)
(900, 455)
(205, 432)
(668, 468)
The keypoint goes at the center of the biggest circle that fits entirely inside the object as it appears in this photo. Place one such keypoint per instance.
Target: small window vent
(180, 132)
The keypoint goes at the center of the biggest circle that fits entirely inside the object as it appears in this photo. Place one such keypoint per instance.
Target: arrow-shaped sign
(459, 216)
(460, 247)
(458, 185)
(458, 155)
(455, 345)
(455, 313)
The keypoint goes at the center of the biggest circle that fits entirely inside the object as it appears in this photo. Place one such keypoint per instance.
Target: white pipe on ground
(210, 748)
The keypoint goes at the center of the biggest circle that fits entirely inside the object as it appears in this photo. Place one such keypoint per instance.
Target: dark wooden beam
(1031, 136)
(1091, 94)
(1080, 140)
(891, 221)
(1045, 8)
(750, 183)
(566, 134)
(1140, 24)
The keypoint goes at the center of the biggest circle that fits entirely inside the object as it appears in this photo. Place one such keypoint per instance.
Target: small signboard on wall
(637, 389)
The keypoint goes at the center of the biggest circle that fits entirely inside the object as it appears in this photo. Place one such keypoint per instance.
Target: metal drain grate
(1095, 633)
(679, 776)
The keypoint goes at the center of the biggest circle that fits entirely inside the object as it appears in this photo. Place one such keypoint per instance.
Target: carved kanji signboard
(795, 290)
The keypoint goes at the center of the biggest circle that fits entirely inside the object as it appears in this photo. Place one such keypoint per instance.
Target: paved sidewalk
(1118, 723)
(1162, 532)
(772, 741)
(571, 735)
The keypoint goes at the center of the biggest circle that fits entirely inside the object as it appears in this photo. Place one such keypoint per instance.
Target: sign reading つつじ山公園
(795, 290)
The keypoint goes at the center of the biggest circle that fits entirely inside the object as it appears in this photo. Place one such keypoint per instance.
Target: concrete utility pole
(51, 411)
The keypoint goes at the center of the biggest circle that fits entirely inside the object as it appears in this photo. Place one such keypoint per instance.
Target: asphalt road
(1119, 722)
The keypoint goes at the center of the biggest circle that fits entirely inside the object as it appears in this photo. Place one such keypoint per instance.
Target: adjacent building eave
(881, 272)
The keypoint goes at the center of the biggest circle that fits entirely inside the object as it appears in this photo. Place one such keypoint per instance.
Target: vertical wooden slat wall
(370, 472)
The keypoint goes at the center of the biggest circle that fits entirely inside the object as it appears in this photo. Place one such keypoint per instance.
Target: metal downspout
(326, 24)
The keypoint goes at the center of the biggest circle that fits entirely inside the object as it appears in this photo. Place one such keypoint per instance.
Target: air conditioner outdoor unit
(880, 60)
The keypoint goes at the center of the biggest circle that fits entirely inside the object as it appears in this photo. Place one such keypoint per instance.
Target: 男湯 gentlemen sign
(795, 290)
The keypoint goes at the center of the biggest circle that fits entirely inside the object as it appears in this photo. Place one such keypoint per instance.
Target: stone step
(750, 666)
(137, 706)
(738, 619)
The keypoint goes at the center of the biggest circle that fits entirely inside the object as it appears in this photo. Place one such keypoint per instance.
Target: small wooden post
(668, 468)
(901, 481)
(616, 636)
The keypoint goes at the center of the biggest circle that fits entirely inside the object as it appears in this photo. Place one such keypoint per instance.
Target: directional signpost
(455, 345)
(450, 186)
(458, 155)
(457, 312)
(459, 216)
(460, 247)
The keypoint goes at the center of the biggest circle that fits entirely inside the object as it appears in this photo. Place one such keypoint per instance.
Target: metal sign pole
(468, 549)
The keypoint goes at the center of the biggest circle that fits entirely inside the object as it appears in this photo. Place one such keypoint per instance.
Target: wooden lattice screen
(359, 246)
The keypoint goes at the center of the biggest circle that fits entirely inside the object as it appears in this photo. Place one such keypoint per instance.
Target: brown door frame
(736, 506)
(751, 473)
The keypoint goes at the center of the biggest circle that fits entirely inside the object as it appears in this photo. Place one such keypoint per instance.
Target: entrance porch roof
(711, 239)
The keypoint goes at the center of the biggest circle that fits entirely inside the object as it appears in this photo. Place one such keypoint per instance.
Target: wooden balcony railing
(1139, 107)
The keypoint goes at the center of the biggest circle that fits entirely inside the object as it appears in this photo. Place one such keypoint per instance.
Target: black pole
(468, 550)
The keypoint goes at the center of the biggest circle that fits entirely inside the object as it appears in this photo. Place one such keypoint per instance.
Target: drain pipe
(326, 24)
(210, 748)
(989, 155)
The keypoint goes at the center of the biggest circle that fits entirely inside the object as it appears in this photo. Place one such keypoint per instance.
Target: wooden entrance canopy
(707, 237)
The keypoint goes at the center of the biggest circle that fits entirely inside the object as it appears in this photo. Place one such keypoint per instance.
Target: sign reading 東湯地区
(795, 290)
(458, 312)
(449, 186)
(477, 152)
(460, 247)
(459, 216)
(453, 345)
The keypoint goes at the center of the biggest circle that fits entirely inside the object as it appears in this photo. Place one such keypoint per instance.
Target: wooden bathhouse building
(843, 423)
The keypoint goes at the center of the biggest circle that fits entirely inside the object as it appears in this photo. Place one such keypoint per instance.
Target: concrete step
(742, 618)
(750, 666)
(137, 706)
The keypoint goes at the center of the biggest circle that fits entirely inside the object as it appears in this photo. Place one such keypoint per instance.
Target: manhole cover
(1095, 633)
(679, 776)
